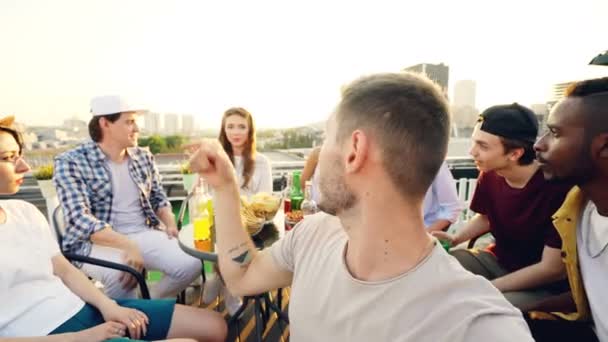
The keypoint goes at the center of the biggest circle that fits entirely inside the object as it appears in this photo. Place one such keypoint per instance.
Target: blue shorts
(159, 312)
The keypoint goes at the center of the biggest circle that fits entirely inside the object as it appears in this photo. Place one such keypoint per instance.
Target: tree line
(160, 144)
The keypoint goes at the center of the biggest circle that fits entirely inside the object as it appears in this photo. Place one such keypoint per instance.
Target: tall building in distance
(464, 93)
(188, 125)
(440, 73)
(152, 122)
(172, 124)
(463, 108)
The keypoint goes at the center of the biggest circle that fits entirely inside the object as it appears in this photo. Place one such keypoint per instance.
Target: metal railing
(461, 167)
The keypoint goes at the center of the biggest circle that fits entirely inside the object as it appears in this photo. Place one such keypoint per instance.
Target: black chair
(263, 303)
(58, 224)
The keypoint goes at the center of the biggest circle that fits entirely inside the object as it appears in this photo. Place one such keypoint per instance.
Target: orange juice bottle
(200, 218)
(202, 233)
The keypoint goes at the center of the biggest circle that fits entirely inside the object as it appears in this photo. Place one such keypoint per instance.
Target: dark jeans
(561, 330)
(485, 264)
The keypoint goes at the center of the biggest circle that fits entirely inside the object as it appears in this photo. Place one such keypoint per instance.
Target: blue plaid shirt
(84, 186)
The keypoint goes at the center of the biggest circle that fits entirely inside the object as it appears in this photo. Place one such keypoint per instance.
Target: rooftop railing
(461, 167)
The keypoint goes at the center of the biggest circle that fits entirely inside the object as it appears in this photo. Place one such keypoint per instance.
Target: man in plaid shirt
(115, 207)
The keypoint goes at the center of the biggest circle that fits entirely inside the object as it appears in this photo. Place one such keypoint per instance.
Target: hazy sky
(283, 60)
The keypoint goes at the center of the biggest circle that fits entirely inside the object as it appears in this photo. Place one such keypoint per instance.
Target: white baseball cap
(113, 104)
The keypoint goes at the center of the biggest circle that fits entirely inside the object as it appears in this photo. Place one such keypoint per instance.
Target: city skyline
(283, 62)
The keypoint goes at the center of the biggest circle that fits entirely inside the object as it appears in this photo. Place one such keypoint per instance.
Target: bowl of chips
(265, 205)
(258, 211)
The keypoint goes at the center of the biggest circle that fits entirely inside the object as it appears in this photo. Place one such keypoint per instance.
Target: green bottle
(296, 195)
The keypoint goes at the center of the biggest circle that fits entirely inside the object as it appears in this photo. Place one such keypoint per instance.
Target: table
(269, 234)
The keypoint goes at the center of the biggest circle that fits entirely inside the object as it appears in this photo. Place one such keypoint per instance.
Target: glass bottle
(296, 194)
(200, 218)
(309, 206)
(286, 194)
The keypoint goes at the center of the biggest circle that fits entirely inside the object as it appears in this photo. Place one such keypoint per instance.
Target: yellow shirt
(565, 221)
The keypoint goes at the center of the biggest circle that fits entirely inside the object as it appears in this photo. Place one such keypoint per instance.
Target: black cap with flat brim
(512, 121)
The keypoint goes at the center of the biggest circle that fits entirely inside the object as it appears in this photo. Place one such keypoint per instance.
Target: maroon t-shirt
(520, 219)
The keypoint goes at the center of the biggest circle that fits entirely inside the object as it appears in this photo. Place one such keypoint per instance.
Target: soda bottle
(296, 194)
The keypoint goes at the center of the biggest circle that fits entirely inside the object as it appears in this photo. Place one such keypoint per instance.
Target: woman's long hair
(249, 149)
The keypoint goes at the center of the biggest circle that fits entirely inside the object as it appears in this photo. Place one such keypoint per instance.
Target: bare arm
(79, 284)
(548, 270)
(439, 225)
(309, 167)
(559, 303)
(165, 214)
(82, 287)
(477, 226)
(110, 238)
(245, 270)
(132, 255)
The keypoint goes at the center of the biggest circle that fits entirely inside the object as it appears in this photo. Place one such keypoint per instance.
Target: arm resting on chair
(477, 226)
(559, 303)
(103, 263)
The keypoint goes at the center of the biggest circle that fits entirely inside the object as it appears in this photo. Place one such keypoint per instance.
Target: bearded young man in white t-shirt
(371, 272)
(575, 149)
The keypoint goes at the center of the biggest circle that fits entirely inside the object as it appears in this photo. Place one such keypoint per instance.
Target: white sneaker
(232, 303)
(212, 289)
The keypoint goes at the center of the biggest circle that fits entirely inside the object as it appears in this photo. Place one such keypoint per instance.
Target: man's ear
(357, 151)
(515, 154)
(103, 122)
(599, 146)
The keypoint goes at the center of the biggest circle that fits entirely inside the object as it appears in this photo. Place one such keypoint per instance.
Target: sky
(283, 60)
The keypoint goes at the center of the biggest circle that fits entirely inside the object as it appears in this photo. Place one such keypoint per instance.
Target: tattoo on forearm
(235, 248)
(243, 259)
(242, 254)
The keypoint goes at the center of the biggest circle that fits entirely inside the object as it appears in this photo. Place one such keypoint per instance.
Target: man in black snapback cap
(512, 121)
(515, 203)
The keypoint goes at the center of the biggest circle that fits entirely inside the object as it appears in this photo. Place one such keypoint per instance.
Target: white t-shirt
(315, 189)
(261, 180)
(592, 246)
(33, 301)
(436, 301)
(127, 211)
